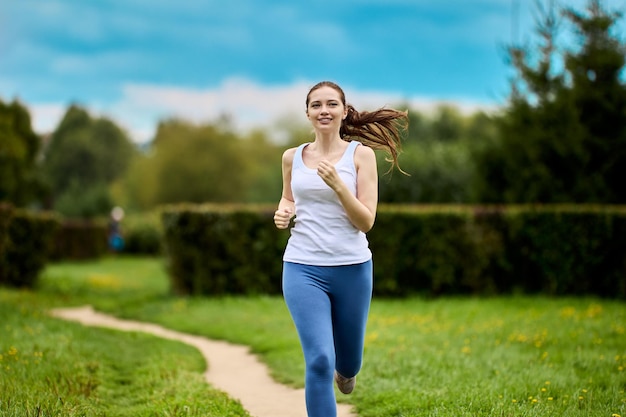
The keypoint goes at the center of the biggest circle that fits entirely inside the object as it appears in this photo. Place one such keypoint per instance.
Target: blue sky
(138, 61)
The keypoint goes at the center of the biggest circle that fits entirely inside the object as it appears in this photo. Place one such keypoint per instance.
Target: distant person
(331, 186)
(115, 238)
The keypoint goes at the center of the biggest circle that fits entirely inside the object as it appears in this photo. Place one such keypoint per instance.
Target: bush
(79, 239)
(6, 214)
(27, 249)
(217, 250)
(143, 234)
(431, 250)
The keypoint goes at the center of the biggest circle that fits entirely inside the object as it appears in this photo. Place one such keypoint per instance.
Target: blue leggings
(329, 306)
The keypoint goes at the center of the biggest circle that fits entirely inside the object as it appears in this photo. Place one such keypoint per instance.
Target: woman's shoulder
(288, 156)
(364, 152)
(289, 153)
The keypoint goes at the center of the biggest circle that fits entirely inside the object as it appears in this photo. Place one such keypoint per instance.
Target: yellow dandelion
(534, 400)
(514, 401)
(584, 390)
(547, 382)
(550, 398)
(12, 351)
(543, 389)
(580, 397)
(615, 415)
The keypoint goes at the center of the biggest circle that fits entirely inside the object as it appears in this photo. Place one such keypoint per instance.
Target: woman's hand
(327, 172)
(282, 217)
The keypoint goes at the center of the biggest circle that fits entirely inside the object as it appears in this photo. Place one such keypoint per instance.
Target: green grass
(504, 356)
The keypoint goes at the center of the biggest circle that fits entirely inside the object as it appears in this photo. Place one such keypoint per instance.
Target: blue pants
(329, 306)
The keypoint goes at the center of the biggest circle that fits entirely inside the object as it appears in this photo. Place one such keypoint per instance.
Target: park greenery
(500, 356)
(560, 137)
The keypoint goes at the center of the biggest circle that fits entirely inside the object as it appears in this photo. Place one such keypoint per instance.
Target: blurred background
(142, 103)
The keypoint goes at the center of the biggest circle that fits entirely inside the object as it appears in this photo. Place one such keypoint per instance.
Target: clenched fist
(282, 217)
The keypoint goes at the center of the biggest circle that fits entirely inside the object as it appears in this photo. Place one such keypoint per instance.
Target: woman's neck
(327, 143)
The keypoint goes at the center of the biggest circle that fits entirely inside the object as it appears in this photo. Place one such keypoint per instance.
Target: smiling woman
(331, 186)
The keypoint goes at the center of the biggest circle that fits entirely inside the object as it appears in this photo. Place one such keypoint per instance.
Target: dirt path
(231, 368)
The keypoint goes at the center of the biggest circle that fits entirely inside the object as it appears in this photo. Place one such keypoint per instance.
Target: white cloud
(45, 117)
(247, 104)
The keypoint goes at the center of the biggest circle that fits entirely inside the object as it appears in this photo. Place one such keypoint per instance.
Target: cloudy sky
(138, 61)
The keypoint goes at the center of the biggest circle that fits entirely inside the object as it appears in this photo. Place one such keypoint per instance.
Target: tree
(437, 155)
(189, 163)
(562, 135)
(19, 148)
(84, 157)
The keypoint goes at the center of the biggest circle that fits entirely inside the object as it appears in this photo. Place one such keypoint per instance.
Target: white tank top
(322, 234)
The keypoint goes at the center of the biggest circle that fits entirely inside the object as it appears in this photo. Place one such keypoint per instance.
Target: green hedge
(143, 233)
(78, 239)
(223, 249)
(26, 249)
(6, 214)
(431, 250)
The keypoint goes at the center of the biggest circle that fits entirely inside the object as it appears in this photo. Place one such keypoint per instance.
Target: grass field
(505, 356)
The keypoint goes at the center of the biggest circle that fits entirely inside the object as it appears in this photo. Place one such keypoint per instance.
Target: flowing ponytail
(380, 129)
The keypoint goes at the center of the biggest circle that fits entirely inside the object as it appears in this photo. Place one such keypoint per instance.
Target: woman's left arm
(361, 209)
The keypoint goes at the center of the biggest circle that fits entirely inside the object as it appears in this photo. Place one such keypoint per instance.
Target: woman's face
(325, 110)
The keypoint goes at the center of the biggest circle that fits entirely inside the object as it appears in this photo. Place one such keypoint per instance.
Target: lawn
(502, 356)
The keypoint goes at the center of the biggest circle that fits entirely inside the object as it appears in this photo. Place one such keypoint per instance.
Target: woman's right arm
(286, 206)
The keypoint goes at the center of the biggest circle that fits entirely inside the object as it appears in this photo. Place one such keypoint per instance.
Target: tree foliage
(84, 157)
(437, 156)
(203, 163)
(562, 135)
(20, 183)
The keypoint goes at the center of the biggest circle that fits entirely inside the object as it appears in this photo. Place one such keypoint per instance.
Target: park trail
(231, 368)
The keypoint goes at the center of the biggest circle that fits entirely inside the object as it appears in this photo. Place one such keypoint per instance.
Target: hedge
(223, 249)
(78, 239)
(28, 238)
(430, 250)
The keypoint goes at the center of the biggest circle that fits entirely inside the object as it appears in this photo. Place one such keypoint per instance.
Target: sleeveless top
(322, 234)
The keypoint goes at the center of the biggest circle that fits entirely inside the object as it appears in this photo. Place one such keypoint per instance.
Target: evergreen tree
(562, 132)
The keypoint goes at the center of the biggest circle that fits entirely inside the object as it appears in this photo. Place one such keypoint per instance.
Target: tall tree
(189, 163)
(19, 149)
(562, 132)
(84, 157)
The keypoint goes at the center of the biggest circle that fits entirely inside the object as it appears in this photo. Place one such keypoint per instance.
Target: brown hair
(379, 129)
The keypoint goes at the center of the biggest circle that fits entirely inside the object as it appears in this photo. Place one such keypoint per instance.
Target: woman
(331, 187)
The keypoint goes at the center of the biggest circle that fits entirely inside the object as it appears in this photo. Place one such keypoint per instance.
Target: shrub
(431, 250)
(223, 249)
(30, 237)
(80, 239)
(143, 233)
(6, 214)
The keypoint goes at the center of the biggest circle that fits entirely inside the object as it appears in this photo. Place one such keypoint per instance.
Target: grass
(504, 356)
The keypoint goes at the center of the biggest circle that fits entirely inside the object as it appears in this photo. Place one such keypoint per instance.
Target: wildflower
(543, 389)
(547, 382)
(550, 398)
